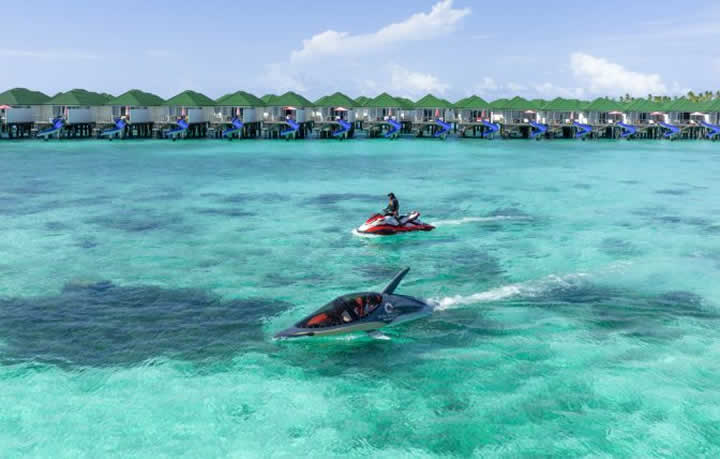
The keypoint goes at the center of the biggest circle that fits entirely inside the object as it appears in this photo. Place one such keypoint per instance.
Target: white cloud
(488, 87)
(607, 77)
(485, 85)
(368, 86)
(516, 87)
(47, 54)
(415, 83)
(550, 91)
(420, 26)
(280, 78)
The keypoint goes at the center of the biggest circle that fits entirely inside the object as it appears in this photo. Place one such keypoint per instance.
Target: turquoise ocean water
(575, 283)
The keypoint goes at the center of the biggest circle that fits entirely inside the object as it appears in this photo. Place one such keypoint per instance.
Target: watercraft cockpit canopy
(343, 310)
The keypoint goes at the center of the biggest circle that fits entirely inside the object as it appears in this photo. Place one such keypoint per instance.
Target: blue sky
(448, 47)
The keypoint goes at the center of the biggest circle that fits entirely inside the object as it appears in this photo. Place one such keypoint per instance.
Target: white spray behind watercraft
(528, 289)
(494, 218)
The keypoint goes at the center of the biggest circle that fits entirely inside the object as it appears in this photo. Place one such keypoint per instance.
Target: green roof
(714, 106)
(384, 100)
(705, 106)
(79, 97)
(190, 99)
(644, 106)
(517, 104)
(472, 103)
(431, 101)
(685, 105)
(361, 101)
(289, 99)
(22, 96)
(336, 100)
(267, 98)
(405, 103)
(498, 104)
(240, 99)
(136, 98)
(603, 104)
(461, 101)
(563, 105)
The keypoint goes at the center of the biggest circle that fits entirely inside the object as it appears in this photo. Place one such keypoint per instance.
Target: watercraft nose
(283, 334)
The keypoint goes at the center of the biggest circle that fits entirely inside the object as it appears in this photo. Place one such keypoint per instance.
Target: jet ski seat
(412, 216)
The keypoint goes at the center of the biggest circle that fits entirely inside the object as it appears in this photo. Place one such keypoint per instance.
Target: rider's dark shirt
(393, 207)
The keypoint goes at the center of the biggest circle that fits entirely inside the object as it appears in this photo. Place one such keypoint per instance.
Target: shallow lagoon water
(578, 308)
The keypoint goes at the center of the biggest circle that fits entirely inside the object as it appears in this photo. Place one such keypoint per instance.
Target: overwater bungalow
(433, 117)
(238, 115)
(560, 111)
(516, 116)
(20, 109)
(334, 116)
(408, 111)
(713, 109)
(337, 106)
(641, 112)
(496, 114)
(603, 115)
(382, 107)
(188, 115)
(692, 118)
(603, 111)
(683, 111)
(132, 114)
(430, 108)
(79, 110)
(713, 126)
(472, 109)
(645, 118)
(519, 111)
(472, 116)
(287, 116)
(381, 116)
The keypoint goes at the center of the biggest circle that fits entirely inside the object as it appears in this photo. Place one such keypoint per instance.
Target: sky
(451, 48)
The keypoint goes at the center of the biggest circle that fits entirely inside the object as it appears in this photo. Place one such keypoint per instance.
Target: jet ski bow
(386, 225)
(363, 311)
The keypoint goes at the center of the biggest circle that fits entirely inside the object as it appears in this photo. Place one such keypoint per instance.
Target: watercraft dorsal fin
(390, 288)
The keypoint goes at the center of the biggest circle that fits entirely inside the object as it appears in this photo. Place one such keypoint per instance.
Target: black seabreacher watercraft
(364, 311)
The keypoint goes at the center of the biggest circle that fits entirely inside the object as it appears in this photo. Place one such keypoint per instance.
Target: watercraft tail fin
(395, 282)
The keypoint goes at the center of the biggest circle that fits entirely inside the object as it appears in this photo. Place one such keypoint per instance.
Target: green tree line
(699, 97)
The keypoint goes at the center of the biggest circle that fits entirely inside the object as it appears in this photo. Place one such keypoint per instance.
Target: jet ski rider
(393, 207)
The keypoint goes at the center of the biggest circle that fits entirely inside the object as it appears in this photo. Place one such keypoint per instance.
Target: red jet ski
(387, 224)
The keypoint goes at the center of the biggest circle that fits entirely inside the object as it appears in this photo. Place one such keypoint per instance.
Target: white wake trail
(528, 289)
(357, 233)
(495, 218)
